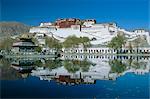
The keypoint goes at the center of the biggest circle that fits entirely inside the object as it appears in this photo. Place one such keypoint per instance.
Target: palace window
(97, 51)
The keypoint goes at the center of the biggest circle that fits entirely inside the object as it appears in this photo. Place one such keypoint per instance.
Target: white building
(139, 31)
(48, 24)
(88, 23)
(103, 33)
(105, 50)
(40, 38)
(45, 30)
(101, 50)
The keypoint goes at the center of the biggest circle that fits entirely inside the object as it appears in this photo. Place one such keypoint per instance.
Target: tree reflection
(85, 65)
(52, 64)
(75, 65)
(7, 73)
(71, 66)
(18, 68)
(117, 66)
(129, 62)
(38, 63)
(138, 65)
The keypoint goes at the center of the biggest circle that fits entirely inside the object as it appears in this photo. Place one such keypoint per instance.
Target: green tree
(117, 42)
(6, 44)
(53, 43)
(38, 49)
(85, 41)
(73, 41)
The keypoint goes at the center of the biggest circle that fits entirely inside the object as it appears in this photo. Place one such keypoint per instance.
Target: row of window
(93, 51)
(106, 51)
(108, 57)
(26, 49)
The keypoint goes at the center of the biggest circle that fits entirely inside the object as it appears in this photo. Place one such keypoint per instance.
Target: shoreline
(62, 54)
(30, 56)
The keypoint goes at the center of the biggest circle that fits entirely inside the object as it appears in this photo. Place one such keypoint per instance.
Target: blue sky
(129, 14)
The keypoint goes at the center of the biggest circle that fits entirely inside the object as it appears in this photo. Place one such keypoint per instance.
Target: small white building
(47, 24)
(40, 38)
(89, 22)
(139, 31)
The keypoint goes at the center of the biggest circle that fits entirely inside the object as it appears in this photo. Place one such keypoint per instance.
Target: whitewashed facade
(105, 50)
(103, 32)
(40, 38)
(45, 30)
(47, 24)
(89, 50)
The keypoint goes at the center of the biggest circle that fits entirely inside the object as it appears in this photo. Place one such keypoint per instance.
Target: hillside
(12, 28)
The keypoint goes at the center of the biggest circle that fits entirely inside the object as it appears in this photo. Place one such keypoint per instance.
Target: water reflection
(75, 69)
(88, 76)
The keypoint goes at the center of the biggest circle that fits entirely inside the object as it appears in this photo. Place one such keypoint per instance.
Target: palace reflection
(75, 69)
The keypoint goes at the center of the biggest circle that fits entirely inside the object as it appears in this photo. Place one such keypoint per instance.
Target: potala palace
(100, 34)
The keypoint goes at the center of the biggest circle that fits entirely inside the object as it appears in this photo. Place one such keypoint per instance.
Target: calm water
(76, 76)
